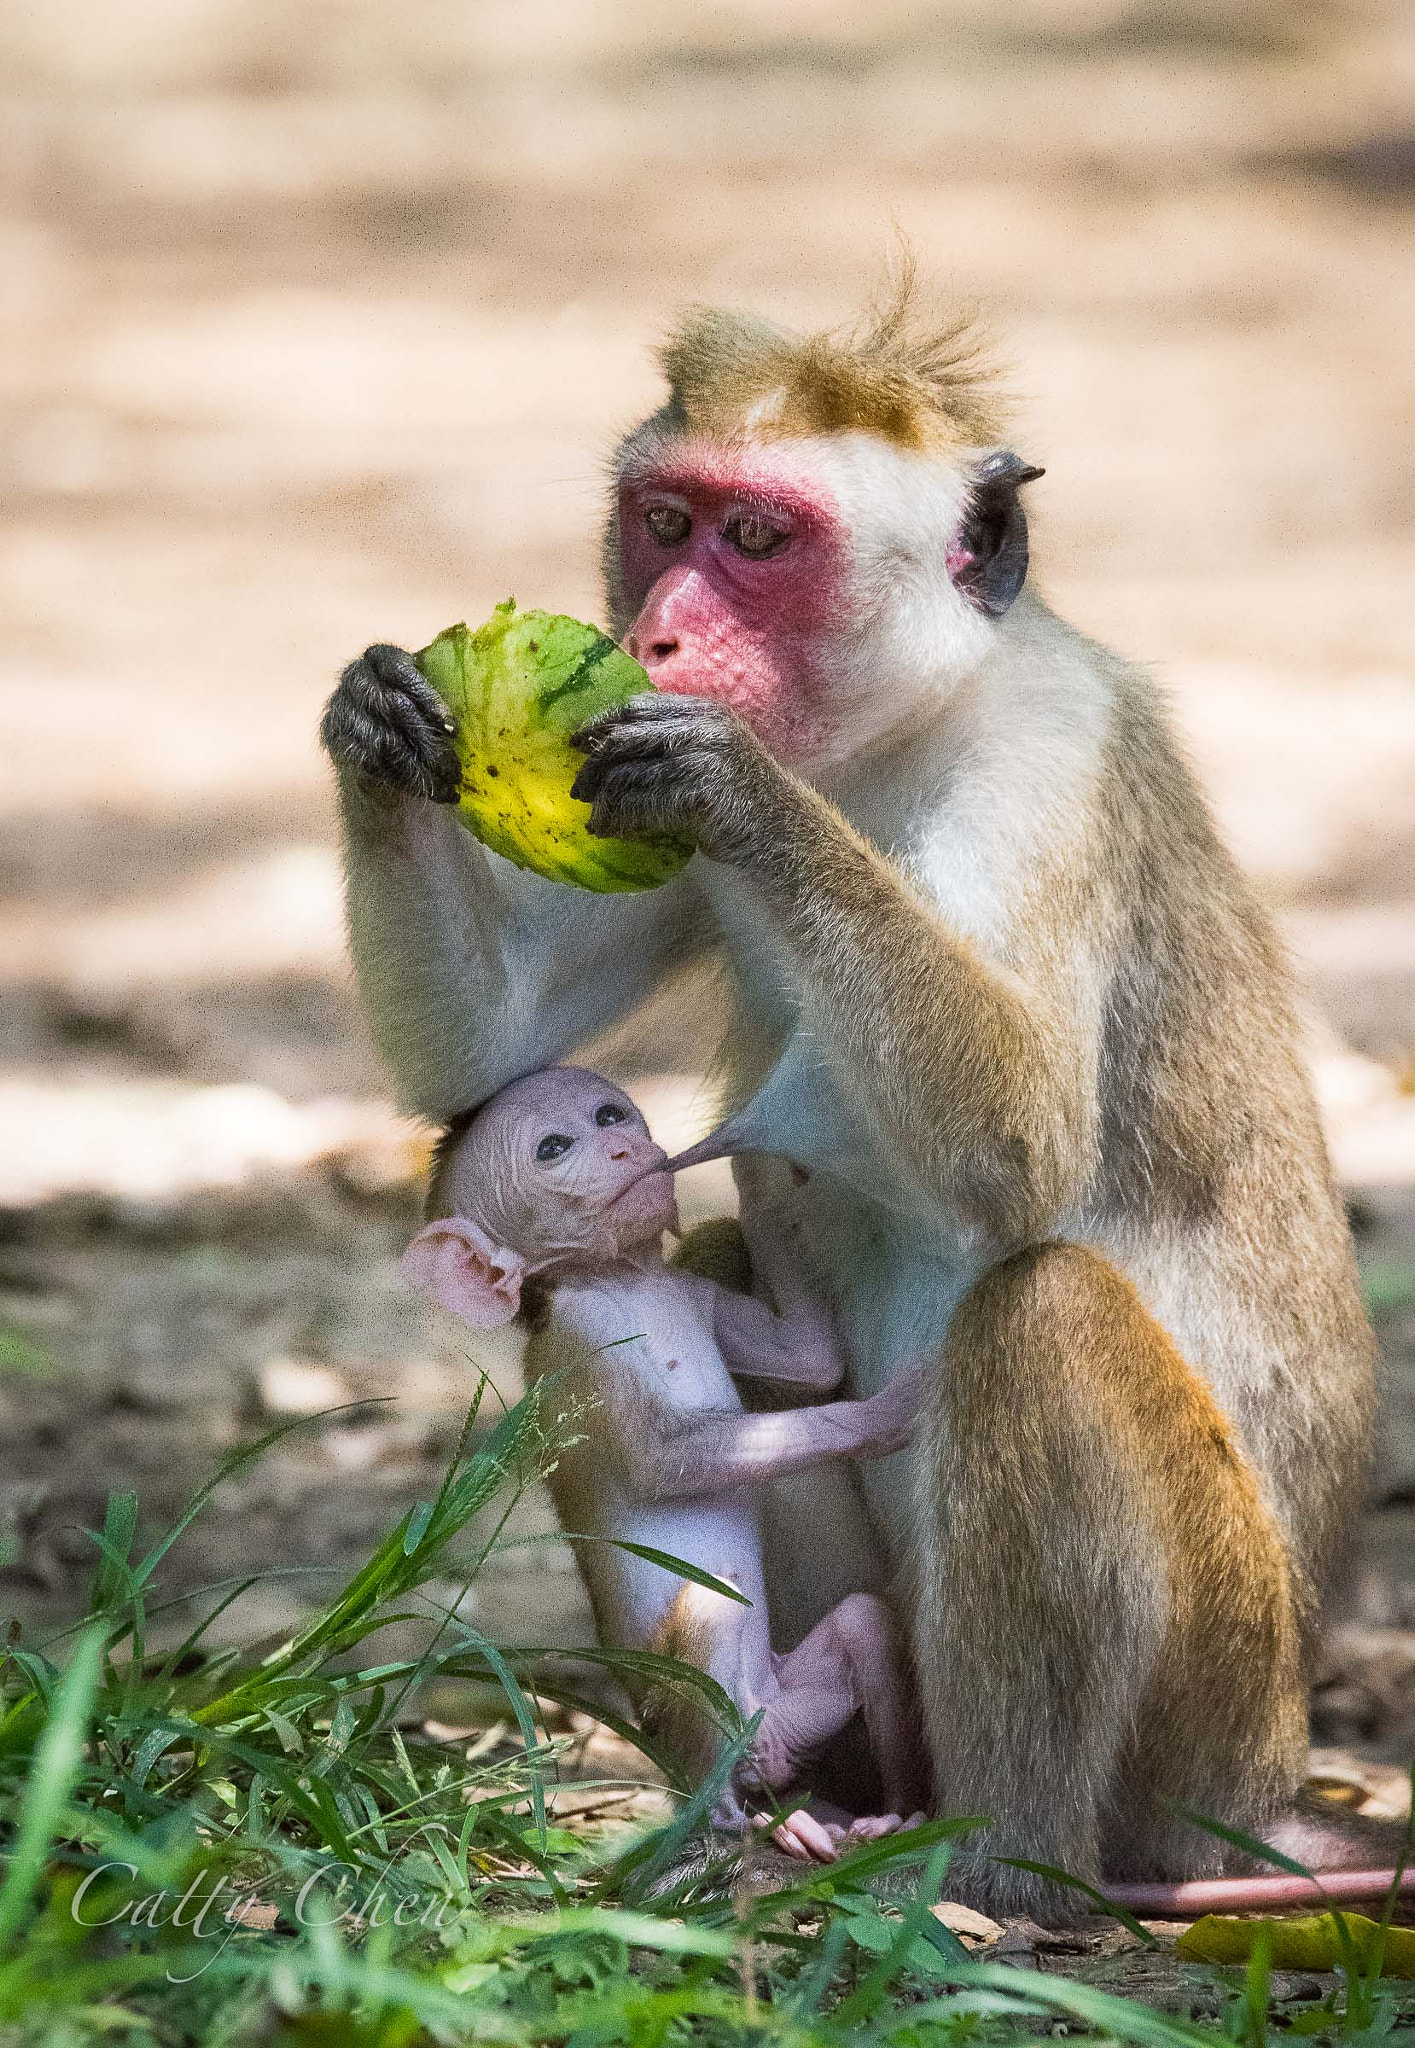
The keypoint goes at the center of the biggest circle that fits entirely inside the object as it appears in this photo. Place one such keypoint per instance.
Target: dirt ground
(316, 323)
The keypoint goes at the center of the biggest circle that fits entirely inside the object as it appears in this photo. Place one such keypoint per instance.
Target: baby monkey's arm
(682, 1454)
(789, 1350)
(783, 1333)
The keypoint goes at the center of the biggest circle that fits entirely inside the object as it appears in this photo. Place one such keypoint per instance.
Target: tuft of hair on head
(907, 372)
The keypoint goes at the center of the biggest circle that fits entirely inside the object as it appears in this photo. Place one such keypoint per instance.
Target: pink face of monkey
(559, 1166)
(830, 591)
(733, 569)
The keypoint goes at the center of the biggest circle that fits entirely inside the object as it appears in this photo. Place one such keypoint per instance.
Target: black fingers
(679, 766)
(648, 765)
(634, 799)
(611, 763)
(387, 723)
(615, 740)
(650, 722)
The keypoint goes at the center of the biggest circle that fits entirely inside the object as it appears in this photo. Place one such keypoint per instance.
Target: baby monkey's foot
(869, 1828)
(802, 1836)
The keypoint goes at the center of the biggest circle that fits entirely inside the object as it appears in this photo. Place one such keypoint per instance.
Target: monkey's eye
(754, 536)
(610, 1113)
(552, 1146)
(668, 524)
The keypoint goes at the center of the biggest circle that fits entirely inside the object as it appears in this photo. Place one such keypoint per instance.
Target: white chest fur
(892, 1266)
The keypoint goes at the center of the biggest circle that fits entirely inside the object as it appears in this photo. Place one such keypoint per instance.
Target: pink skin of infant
(557, 1181)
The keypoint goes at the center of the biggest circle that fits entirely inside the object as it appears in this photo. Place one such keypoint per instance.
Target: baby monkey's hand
(890, 1414)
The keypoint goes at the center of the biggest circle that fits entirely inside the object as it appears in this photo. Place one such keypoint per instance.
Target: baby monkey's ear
(458, 1264)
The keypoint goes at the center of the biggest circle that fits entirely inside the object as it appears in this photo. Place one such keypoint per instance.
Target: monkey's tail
(1353, 1858)
(1258, 1894)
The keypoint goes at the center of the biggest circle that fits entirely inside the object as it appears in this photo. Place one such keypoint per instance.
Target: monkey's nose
(649, 654)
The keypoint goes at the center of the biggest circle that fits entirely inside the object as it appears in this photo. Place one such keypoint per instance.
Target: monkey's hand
(388, 725)
(890, 1414)
(683, 766)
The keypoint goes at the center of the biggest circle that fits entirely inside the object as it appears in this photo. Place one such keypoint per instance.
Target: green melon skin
(519, 687)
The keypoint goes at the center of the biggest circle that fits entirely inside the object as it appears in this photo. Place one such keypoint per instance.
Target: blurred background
(315, 326)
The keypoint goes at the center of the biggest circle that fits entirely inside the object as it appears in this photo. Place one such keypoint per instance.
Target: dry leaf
(254, 1913)
(963, 1920)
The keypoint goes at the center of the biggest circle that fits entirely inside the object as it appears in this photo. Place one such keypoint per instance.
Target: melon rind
(519, 687)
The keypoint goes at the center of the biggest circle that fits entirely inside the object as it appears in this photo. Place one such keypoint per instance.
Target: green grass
(224, 1848)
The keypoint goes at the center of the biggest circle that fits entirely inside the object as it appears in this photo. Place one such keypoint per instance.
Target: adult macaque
(999, 986)
(556, 1186)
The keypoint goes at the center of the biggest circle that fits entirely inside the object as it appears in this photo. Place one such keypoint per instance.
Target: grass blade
(633, 1872)
(1079, 1884)
(647, 1665)
(679, 1566)
(57, 1757)
(520, 1707)
(235, 1461)
(866, 1996)
(636, 1930)
(1265, 1853)
(113, 1576)
(1103, 2011)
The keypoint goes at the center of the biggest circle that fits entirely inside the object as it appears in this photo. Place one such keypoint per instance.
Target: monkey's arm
(672, 1454)
(471, 971)
(798, 1350)
(782, 1333)
(980, 1083)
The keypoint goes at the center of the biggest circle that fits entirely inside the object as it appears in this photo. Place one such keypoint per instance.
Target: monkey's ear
(988, 558)
(461, 1267)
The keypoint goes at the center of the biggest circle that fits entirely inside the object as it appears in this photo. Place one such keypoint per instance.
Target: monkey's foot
(869, 1828)
(803, 1837)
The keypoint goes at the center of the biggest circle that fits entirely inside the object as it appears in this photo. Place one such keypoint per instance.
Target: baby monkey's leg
(852, 1661)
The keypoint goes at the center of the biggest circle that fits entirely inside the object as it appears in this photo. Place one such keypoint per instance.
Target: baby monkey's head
(558, 1168)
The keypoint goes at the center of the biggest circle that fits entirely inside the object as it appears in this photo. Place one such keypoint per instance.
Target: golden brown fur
(1209, 1134)
(717, 1251)
(675, 1717)
(1111, 1552)
(915, 377)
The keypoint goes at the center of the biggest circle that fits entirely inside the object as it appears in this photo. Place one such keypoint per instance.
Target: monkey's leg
(852, 1661)
(880, 1681)
(716, 1250)
(1104, 1608)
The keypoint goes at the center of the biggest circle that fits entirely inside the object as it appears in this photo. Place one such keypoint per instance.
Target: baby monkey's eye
(667, 524)
(610, 1113)
(552, 1146)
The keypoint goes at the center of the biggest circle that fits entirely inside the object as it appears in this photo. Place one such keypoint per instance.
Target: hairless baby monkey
(557, 1179)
